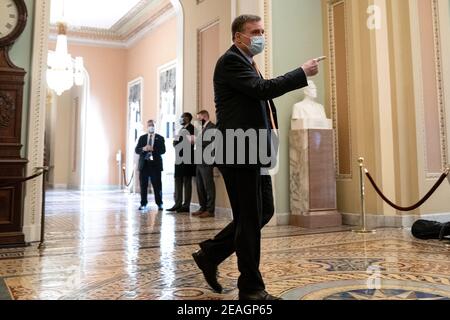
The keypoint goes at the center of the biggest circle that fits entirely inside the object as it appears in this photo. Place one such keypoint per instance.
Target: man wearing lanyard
(150, 148)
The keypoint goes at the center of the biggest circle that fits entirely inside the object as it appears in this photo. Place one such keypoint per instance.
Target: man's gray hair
(239, 23)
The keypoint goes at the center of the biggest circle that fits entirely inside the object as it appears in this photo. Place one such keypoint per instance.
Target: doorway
(65, 136)
(134, 130)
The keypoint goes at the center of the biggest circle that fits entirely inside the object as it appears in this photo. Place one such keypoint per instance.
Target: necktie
(272, 120)
(149, 155)
(150, 140)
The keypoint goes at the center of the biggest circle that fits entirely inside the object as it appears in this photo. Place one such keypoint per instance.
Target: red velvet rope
(125, 178)
(19, 181)
(417, 205)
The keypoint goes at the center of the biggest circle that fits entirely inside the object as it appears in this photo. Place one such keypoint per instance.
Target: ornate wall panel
(433, 95)
(36, 129)
(75, 133)
(9, 120)
(208, 54)
(268, 56)
(339, 87)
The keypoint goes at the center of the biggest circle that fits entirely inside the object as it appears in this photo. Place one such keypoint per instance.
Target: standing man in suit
(150, 148)
(244, 101)
(185, 170)
(206, 187)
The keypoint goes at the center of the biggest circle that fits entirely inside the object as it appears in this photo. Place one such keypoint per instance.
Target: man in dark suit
(150, 148)
(206, 188)
(185, 168)
(244, 101)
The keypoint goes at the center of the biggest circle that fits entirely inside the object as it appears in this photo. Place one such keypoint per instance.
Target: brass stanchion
(363, 229)
(447, 171)
(44, 177)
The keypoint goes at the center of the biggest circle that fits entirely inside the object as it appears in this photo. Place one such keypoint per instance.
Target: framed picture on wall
(135, 99)
(134, 128)
(167, 97)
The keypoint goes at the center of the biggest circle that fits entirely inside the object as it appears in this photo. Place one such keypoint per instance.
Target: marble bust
(308, 107)
(309, 114)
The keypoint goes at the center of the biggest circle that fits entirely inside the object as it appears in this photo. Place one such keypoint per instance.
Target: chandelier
(63, 70)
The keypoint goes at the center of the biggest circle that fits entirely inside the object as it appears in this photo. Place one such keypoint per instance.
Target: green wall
(21, 56)
(297, 37)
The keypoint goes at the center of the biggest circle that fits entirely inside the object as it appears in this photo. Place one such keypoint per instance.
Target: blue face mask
(257, 44)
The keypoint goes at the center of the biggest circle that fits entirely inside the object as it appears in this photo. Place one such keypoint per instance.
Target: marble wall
(297, 37)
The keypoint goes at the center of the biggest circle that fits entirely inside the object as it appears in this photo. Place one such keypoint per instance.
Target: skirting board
(84, 188)
(283, 219)
(57, 186)
(404, 221)
(32, 233)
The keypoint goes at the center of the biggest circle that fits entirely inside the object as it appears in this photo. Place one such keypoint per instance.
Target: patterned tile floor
(100, 247)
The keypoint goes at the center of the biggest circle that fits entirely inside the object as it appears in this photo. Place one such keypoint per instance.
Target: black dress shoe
(445, 231)
(209, 270)
(184, 210)
(160, 208)
(173, 209)
(257, 295)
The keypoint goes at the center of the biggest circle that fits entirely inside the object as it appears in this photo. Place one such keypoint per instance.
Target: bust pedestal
(313, 177)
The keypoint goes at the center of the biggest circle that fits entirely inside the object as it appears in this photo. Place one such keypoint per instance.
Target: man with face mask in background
(244, 103)
(206, 188)
(185, 170)
(150, 148)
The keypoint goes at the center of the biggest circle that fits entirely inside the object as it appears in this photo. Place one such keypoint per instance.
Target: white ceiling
(101, 14)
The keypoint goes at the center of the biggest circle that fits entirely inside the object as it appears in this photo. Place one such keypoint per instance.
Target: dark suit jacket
(242, 95)
(159, 149)
(185, 169)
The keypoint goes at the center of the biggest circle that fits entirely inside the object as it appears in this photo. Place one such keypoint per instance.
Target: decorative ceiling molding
(167, 12)
(130, 15)
(143, 18)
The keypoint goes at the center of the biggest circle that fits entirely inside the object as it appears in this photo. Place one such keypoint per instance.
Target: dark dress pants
(251, 200)
(206, 188)
(152, 172)
(180, 184)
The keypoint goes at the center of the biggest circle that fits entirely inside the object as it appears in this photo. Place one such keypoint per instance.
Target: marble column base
(315, 220)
